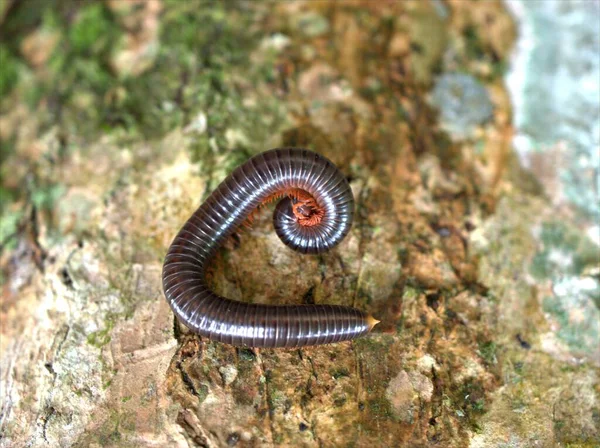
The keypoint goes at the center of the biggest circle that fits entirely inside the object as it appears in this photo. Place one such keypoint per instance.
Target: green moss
(277, 399)
(9, 222)
(99, 338)
(340, 372)
(487, 350)
(115, 429)
(245, 354)
(469, 400)
(474, 47)
(211, 46)
(44, 198)
(411, 293)
(518, 401)
(374, 344)
(499, 68)
(380, 407)
(92, 30)
(202, 392)
(312, 24)
(102, 337)
(553, 305)
(8, 70)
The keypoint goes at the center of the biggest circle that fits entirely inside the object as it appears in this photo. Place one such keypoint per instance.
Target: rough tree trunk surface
(118, 118)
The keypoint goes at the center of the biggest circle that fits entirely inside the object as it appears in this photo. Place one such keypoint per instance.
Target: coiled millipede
(314, 215)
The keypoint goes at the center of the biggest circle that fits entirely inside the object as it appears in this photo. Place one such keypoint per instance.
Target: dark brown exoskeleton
(314, 215)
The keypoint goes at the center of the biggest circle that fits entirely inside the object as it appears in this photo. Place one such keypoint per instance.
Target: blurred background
(470, 133)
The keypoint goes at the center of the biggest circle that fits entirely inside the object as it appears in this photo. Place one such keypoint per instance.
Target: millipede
(314, 213)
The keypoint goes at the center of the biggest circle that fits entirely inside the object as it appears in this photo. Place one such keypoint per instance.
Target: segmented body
(314, 215)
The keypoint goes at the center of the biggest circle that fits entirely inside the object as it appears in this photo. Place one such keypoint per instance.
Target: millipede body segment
(314, 215)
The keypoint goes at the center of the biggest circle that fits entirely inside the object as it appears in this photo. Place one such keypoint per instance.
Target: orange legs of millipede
(306, 210)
